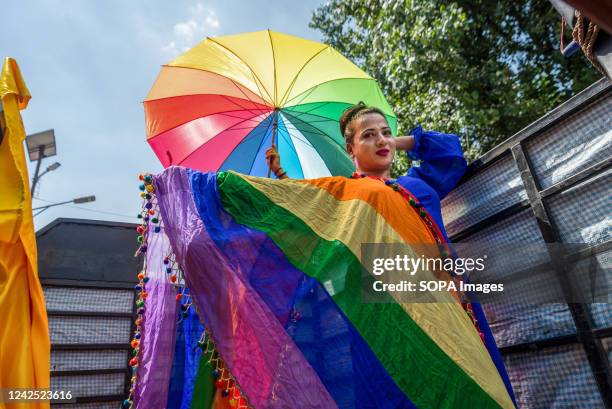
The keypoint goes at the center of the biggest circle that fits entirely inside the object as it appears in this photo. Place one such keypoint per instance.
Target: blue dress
(442, 166)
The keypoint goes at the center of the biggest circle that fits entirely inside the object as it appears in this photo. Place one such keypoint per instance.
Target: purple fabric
(268, 366)
(345, 364)
(158, 330)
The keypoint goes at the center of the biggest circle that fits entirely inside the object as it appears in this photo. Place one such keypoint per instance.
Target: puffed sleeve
(442, 161)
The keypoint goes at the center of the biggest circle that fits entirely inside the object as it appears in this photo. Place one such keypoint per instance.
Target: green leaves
(477, 68)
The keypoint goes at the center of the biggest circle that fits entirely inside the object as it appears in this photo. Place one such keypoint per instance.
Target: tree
(481, 69)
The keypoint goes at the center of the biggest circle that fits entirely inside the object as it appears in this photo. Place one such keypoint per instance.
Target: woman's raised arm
(441, 156)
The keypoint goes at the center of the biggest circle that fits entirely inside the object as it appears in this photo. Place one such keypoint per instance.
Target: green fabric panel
(346, 90)
(316, 114)
(204, 386)
(333, 154)
(420, 368)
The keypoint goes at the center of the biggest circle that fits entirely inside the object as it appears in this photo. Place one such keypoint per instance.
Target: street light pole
(40, 145)
(78, 200)
(41, 151)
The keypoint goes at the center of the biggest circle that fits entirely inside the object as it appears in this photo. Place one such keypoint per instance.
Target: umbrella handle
(270, 166)
(274, 126)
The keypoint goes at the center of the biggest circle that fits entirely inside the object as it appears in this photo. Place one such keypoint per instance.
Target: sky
(89, 65)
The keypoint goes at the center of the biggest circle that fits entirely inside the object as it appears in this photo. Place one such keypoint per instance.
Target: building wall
(88, 270)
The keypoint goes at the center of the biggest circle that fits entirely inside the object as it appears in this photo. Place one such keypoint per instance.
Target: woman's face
(373, 147)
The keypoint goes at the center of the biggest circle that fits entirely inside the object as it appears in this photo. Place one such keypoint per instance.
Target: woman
(275, 270)
(372, 147)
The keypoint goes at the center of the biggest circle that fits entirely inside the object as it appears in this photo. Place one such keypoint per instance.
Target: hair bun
(354, 112)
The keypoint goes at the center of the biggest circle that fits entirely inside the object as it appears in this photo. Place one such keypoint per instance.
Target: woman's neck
(384, 174)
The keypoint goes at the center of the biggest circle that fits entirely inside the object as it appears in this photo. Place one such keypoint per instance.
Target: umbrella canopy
(220, 105)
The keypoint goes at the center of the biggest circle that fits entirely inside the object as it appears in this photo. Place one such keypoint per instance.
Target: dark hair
(350, 114)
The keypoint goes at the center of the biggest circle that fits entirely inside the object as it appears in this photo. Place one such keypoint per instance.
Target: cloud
(186, 34)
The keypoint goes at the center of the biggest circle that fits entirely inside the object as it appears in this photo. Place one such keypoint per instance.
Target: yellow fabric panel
(326, 66)
(25, 352)
(255, 49)
(15, 96)
(291, 54)
(210, 56)
(355, 222)
(11, 82)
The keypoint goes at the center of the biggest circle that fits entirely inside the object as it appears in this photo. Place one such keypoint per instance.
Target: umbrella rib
(311, 89)
(326, 139)
(289, 141)
(293, 134)
(273, 65)
(316, 131)
(321, 104)
(259, 147)
(218, 133)
(246, 139)
(300, 71)
(325, 119)
(297, 114)
(308, 123)
(244, 108)
(305, 140)
(242, 91)
(224, 113)
(236, 84)
(226, 97)
(245, 63)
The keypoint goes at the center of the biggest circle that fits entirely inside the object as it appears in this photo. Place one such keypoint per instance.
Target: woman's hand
(405, 143)
(273, 160)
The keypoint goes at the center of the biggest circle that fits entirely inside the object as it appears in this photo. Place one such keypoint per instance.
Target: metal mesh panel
(517, 323)
(599, 284)
(601, 314)
(555, 377)
(583, 214)
(88, 299)
(88, 359)
(521, 227)
(494, 189)
(518, 228)
(514, 324)
(581, 140)
(99, 405)
(90, 385)
(593, 275)
(88, 330)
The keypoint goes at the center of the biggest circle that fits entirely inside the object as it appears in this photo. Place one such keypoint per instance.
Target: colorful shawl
(273, 268)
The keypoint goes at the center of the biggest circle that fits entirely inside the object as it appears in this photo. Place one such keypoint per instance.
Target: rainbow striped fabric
(274, 269)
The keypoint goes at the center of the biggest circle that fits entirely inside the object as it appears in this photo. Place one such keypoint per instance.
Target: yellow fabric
(268, 63)
(444, 321)
(24, 336)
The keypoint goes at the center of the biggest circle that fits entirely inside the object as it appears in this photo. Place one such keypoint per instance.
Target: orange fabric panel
(383, 198)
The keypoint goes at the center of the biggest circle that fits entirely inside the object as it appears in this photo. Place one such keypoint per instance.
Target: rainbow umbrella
(220, 105)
